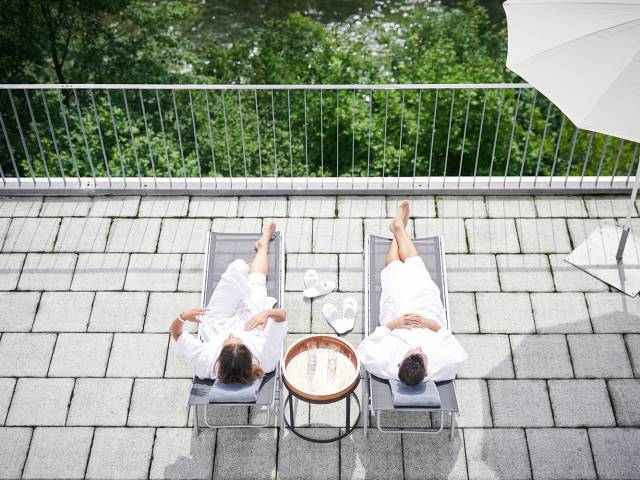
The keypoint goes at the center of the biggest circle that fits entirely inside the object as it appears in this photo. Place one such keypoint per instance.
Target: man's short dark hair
(412, 370)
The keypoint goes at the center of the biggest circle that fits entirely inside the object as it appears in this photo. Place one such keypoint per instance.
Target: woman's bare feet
(267, 233)
(401, 219)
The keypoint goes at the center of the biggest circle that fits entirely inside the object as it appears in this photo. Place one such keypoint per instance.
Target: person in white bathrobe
(242, 335)
(411, 344)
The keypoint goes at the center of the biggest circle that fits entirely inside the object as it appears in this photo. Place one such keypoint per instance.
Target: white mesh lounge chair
(377, 393)
(222, 249)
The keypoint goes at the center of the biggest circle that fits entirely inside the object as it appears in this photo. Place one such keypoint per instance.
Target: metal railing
(449, 138)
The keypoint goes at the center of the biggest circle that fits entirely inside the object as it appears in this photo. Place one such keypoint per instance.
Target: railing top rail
(145, 86)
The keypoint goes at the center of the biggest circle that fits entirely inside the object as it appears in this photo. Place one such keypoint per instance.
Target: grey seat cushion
(423, 395)
(234, 392)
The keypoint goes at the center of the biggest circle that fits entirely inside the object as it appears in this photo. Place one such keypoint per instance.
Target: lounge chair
(222, 249)
(377, 393)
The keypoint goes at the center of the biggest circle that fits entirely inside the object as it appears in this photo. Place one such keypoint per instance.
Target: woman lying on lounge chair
(241, 333)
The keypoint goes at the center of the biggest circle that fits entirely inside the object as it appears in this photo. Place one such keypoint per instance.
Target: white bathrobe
(408, 288)
(238, 296)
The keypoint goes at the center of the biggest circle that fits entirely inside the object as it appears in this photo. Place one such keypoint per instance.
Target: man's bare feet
(267, 233)
(401, 219)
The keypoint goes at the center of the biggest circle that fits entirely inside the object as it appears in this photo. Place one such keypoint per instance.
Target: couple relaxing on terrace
(242, 334)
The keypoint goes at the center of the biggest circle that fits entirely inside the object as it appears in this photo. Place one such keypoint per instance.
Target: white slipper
(314, 287)
(349, 312)
(332, 316)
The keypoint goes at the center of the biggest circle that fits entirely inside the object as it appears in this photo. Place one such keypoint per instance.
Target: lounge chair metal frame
(272, 381)
(447, 389)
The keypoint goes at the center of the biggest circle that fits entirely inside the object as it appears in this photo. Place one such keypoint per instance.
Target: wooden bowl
(334, 373)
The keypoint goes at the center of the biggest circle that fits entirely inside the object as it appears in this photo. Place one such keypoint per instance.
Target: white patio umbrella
(584, 56)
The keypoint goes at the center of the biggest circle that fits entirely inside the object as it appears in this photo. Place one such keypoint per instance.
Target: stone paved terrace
(90, 385)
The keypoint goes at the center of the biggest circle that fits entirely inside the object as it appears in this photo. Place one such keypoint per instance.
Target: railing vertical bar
(226, 136)
(632, 163)
(24, 142)
(464, 135)
(573, 148)
(433, 134)
(133, 139)
(602, 157)
(34, 126)
(337, 135)
(211, 145)
(495, 139)
(475, 167)
(146, 131)
(446, 151)
(557, 150)
(321, 144)
(53, 136)
(255, 98)
(415, 153)
(4, 180)
(10, 148)
(273, 124)
(175, 112)
(290, 140)
(306, 156)
(244, 148)
(369, 138)
(544, 137)
(66, 129)
(353, 137)
(400, 144)
(97, 119)
(586, 158)
(513, 131)
(526, 141)
(615, 167)
(84, 136)
(384, 145)
(164, 140)
(115, 134)
(195, 136)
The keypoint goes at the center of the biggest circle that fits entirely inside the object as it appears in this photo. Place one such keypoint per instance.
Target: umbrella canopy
(582, 55)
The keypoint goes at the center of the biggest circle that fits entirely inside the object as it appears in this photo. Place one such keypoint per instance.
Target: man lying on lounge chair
(241, 334)
(411, 344)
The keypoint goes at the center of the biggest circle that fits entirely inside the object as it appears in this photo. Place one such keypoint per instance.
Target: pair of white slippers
(314, 287)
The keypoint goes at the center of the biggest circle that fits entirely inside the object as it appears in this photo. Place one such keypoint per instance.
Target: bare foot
(401, 219)
(267, 233)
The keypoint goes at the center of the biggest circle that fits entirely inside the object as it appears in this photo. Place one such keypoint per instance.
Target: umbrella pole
(627, 221)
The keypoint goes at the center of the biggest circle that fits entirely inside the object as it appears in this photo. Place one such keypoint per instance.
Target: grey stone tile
(625, 394)
(100, 402)
(543, 235)
(497, 453)
(63, 312)
(505, 313)
(470, 273)
(31, 235)
(520, 403)
(560, 454)
(126, 206)
(40, 401)
(82, 235)
(6, 392)
(262, 207)
(581, 228)
(20, 206)
(420, 206)
(320, 325)
(325, 264)
(496, 235)
(18, 310)
(463, 317)
(10, 268)
(25, 354)
(433, 456)
(351, 272)
(177, 366)
(491, 356)
(541, 356)
(296, 232)
(570, 279)
(298, 312)
(178, 454)
(560, 313)
(138, 355)
(362, 206)
(80, 355)
(321, 460)
(4, 226)
(118, 312)
(529, 273)
(58, 452)
(65, 207)
(616, 452)
(633, 344)
(312, 206)
(510, 207)
(599, 356)
(186, 235)
(159, 402)
(191, 266)
(134, 235)
(100, 271)
(378, 457)
(466, 206)
(232, 441)
(47, 271)
(153, 272)
(473, 399)
(164, 206)
(380, 226)
(236, 225)
(608, 206)
(15, 445)
(213, 207)
(343, 235)
(453, 233)
(164, 307)
(120, 453)
(614, 313)
(581, 403)
(560, 206)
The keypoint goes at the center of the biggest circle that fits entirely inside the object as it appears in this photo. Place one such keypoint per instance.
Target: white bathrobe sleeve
(450, 358)
(374, 356)
(197, 354)
(272, 345)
